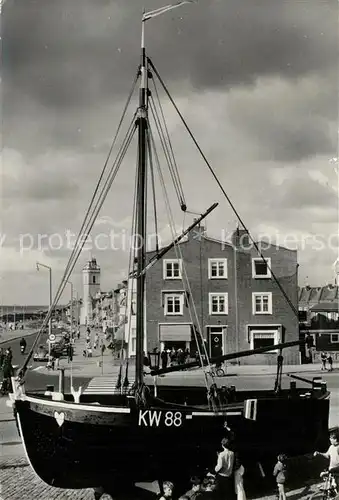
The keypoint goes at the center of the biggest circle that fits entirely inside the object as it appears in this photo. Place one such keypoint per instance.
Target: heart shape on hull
(59, 417)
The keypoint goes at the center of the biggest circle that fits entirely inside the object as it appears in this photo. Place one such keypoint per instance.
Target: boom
(226, 357)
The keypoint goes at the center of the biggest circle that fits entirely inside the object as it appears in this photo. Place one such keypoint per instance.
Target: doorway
(216, 340)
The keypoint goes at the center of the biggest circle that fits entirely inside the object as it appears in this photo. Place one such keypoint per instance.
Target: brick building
(319, 316)
(238, 304)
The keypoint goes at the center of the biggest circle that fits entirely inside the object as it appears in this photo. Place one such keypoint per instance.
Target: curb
(19, 337)
(10, 462)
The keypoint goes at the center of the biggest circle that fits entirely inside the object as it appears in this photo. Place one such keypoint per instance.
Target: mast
(141, 212)
(141, 191)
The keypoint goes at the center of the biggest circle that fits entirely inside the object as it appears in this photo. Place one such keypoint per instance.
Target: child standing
(280, 473)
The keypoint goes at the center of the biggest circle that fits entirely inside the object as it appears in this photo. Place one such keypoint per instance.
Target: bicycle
(216, 372)
(328, 490)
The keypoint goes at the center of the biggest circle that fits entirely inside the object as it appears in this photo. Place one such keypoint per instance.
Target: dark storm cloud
(70, 52)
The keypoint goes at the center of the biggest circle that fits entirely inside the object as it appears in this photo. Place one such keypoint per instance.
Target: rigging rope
(290, 303)
(89, 224)
(165, 149)
(151, 142)
(170, 147)
(131, 257)
(154, 201)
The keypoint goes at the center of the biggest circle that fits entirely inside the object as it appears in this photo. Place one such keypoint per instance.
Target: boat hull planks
(86, 445)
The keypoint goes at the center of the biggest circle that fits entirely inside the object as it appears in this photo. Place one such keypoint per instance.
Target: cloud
(256, 81)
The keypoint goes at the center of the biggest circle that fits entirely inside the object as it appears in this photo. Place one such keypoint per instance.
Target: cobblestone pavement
(18, 482)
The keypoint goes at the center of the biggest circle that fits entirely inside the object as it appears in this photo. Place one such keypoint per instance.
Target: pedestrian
(70, 352)
(323, 358)
(78, 333)
(164, 359)
(2, 357)
(239, 472)
(9, 354)
(224, 470)
(168, 488)
(332, 454)
(173, 356)
(280, 473)
(330, 362)
(96, 341)
(8, 371)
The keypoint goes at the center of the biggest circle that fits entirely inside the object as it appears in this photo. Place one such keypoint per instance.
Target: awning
(175, 332)
(119, 334)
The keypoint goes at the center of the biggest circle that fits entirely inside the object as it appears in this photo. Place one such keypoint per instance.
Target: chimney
(197, 232)
(241, 239)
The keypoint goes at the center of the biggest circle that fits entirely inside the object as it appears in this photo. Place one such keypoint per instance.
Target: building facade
(319, 317)
(91, 287)
(229, 298)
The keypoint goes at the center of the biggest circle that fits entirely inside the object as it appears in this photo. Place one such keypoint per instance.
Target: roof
(325, 307)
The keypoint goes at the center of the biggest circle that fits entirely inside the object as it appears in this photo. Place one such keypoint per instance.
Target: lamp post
(38, 265)
(71, 307)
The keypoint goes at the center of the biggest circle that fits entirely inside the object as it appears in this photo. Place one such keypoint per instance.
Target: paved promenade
(108, 365)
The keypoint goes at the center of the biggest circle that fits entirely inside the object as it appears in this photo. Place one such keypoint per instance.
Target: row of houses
(222, 292)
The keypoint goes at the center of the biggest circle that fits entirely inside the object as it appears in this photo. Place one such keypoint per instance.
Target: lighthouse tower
(91, 286)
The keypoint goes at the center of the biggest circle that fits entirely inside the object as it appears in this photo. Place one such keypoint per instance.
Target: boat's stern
(294, 422)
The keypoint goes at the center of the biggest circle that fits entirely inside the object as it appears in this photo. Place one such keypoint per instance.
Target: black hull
(81, 446)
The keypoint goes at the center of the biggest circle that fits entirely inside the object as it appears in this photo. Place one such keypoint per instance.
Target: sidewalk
(82, 366)
(107, 365)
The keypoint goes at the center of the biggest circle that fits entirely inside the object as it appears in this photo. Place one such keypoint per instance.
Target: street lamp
(38, 265)
(154, 360)
(71, 309)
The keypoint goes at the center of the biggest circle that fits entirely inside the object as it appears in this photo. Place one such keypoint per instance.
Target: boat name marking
(153, 418)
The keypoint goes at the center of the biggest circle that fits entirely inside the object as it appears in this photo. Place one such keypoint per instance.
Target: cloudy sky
(256, 81)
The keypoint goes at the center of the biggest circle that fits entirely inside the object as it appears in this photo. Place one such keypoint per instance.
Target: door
(216, 341)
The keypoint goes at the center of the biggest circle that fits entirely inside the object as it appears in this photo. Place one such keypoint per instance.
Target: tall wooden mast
(141, 212)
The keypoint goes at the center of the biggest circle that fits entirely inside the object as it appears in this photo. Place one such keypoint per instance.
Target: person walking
(70, 352)
(280, 473)
(323, 358)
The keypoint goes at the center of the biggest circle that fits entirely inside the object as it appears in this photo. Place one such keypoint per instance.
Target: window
(217, 269)
(93, 279)
(334, 338)
(261, 268)
(263, 338)
(218, 303)
(262, 303)
(174, 304)
(133, 339)
(172, 269)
